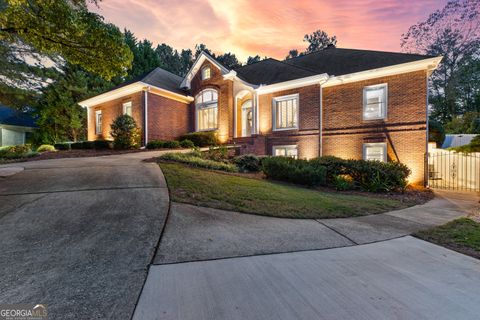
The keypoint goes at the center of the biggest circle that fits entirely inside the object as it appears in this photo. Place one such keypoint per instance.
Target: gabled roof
(158, 77)
(12, 117)
(270, 71)
(337, 61)
(196, 67)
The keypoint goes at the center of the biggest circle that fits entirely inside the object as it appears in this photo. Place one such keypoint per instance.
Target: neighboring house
(15, 126)
(341, 102)
(457, 140)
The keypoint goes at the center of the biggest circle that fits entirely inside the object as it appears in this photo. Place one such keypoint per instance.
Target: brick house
(342, 102)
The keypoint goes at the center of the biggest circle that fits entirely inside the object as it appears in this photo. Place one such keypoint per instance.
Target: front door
(247, 117)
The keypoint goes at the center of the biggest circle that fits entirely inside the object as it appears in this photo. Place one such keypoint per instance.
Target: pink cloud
(268, 28)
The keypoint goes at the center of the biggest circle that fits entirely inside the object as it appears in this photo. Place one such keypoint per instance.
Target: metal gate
(454, 171)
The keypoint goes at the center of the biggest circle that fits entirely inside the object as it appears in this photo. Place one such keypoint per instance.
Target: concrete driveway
(79, 234)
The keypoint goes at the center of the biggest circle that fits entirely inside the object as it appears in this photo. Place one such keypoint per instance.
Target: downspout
(320, 121)
(145, 130)
(425, 174)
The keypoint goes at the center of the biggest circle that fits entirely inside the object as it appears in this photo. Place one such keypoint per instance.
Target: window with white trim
(375, 151)
(285, 111)
(286, 151)
(206, 73)
(98, 122)
(375, 102)
(127, 108)
(206, 105)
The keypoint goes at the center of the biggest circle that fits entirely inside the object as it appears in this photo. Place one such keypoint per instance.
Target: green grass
(461, 235)
(232, 192)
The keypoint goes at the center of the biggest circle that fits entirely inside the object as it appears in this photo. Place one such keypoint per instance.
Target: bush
(372, 176)
(217, 154)
(46, 147)
(125, 133)
(187, 144)
(62, 146)
(294, 171)
(76, 145)
(342, 183)
(102, 144)
(88, 145)
(16, 152)
(194, 160)
(436, 132)
(202, 139)
(247, 163)
(171, 144)
(155, 144)
(335, 166)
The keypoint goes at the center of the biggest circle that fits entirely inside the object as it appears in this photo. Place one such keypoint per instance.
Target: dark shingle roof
(14, 117)
(337, 62)
(270, 71)
(158, 77)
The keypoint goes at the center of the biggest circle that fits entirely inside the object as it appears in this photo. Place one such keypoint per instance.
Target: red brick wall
(167, 118)
(404, 130)
(225, 99)
(306, 136)
(111, 110)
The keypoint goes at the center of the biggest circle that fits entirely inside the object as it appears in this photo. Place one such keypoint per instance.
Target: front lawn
(462, 235)
(232, 192)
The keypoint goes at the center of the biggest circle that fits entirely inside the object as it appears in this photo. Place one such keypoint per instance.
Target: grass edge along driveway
(231, 192)
(461, 235)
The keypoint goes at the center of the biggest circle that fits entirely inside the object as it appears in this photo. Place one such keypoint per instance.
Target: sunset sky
(268, 28)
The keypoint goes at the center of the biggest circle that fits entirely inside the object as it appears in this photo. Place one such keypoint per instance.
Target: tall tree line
(454, 33)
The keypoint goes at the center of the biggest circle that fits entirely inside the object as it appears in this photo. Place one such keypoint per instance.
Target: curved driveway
(79, 234)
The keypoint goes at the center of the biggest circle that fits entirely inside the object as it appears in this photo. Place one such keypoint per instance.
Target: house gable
(198, 65)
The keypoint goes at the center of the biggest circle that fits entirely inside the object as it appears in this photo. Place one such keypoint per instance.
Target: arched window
(206, 105)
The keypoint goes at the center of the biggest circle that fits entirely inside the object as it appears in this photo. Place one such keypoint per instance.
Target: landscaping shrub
(372, 176)
(155, 144)
(194, 160)
(335, 166)
(247, 163)
(76, 145)
(202, 139)
(62, 146)
(88, 145)
(125, 133)
(217, 154)
(187, 143)
(102, 144)
(171, 144)
(376, 176)
(16, 152)
(46, 147)
(294, 171)
(342, 183)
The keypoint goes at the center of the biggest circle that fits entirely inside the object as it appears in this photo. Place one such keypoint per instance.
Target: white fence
(453, 170)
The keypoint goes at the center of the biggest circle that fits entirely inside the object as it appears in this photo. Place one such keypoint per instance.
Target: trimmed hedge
(294, 171)
(247, 163)
(62, 146)
(194, 160)
(373, 176)
(160, 144)
(202, 139)
(187, 144)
